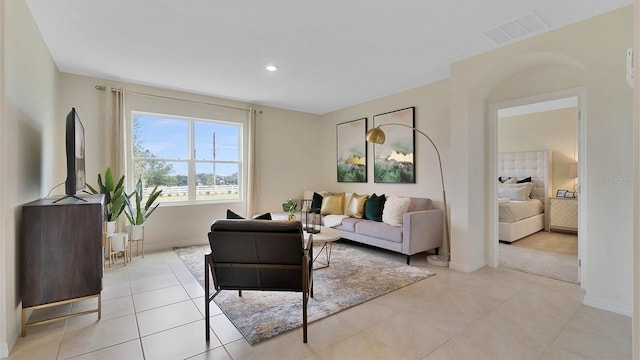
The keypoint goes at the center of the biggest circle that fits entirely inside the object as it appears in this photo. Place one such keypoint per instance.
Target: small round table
(325, 239)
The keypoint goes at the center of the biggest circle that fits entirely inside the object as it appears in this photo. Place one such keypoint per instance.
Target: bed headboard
(536, 164)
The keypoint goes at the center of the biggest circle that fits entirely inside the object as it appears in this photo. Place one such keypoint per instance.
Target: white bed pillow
(517, 192)
(394, 209)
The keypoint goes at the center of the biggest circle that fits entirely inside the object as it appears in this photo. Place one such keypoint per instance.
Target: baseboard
(607, 305)
(4, 350)
(464, 268)
(154, 247)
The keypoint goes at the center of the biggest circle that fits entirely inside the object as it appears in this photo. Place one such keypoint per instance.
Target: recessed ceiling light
(271, 68)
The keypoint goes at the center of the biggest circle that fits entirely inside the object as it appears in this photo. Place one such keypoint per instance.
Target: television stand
(70, 196)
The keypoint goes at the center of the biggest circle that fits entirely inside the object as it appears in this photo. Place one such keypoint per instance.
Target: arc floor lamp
(377, 136)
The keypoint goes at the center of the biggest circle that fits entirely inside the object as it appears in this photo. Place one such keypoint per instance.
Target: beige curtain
(115, 132)
(251, 203)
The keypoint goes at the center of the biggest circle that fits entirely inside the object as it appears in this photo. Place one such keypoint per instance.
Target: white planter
(117, 241)
(136, 232)
(111, 227)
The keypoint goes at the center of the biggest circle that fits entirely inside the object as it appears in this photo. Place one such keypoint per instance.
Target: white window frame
(191, 160)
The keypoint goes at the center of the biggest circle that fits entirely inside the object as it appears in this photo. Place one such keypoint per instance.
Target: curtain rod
(101, 87)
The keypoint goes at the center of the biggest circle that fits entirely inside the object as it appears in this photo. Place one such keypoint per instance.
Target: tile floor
(153, 309)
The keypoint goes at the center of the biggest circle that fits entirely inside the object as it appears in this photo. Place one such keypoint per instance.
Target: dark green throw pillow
(316, 203)
(265, 216)
(374, 206)
(525, 180)
(232, 215)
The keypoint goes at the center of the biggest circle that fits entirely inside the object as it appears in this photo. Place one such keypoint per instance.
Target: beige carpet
(552, 255)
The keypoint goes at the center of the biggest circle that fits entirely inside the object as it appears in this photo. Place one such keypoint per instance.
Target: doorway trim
(492, 173)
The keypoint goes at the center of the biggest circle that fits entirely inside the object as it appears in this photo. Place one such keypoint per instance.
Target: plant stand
(136, 234)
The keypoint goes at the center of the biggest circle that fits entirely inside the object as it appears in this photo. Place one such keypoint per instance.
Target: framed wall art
(394, 160)
(351, 150)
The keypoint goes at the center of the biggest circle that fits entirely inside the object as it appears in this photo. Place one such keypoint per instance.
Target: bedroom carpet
(356, 275)
(553, 265)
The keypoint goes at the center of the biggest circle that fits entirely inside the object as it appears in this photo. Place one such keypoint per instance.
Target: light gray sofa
(421, 230)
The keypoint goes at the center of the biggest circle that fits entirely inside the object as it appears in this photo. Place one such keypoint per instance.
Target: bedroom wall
(285, 144)
(27, 152)
(588, 54)
(554, 130)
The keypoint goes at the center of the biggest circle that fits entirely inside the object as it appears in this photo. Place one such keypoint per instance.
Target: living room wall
(281, 137)
(588, 54)
(27, 150)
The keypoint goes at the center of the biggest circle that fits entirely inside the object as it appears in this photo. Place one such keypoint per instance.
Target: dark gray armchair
(259, 255)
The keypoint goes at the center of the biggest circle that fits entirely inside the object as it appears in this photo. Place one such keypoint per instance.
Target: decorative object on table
(351, 151)
(394, 162)
(291, 207)
(114, 202)
(310, 217)
(348, 282)
(570, 194)
(561, 193)
(377, 136)
(140, 213)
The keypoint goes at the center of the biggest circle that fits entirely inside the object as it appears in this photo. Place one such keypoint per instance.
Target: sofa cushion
(348, 224)
(374, 206)
(394, 209)
(316, 202)
(379, 230)
(332, 204)
(356, 206)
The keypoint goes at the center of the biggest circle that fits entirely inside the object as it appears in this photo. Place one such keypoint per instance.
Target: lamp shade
(573, 170)
(376, 136)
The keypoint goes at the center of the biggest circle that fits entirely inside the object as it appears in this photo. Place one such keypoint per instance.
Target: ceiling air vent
(519, 28)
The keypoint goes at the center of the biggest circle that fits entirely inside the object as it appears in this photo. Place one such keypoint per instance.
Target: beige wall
(27, 150)
(286, 142)
(554, 130)
(587, 54)
(431, 116)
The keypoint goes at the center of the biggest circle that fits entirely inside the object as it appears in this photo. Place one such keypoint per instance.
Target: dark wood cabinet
(61, 250)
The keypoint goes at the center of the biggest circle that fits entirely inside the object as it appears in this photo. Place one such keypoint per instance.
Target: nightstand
(563, 214)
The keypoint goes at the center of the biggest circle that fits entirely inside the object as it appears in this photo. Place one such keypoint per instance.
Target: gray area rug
(356, 275)
(543, 263)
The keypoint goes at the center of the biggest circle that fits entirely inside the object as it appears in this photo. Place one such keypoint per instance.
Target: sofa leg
(408, 259)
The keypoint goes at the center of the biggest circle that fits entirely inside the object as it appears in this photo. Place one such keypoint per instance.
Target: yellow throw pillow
(356, 206)
(332, 204)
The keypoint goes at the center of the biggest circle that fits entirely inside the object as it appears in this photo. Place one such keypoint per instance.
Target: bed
(520, 215)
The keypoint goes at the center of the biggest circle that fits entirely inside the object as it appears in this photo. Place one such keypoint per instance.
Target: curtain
(115, 133)
(251, 164)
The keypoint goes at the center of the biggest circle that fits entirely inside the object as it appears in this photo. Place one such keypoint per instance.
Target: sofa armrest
(422, 230)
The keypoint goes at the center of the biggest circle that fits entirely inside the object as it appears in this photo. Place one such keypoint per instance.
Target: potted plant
(290, 206)
(114, 198)
(139, 213)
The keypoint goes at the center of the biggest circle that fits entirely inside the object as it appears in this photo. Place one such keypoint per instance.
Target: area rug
(539, 262)
(356, 275)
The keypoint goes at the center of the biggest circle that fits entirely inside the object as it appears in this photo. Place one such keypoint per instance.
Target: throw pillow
(356, 206)
(525, 180)
(232, 215)
(265, 216)
(374, 206)
(505, 191)
(316, 203)
(332, 204)
(394, 209)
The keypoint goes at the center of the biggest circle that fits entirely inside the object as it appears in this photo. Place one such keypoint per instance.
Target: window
(190, 159)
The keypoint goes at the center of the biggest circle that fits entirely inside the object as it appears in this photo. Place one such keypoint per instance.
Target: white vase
(111, 227)
(136, 232)
(117, 241)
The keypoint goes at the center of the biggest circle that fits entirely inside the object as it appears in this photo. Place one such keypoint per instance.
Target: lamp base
(438, 260)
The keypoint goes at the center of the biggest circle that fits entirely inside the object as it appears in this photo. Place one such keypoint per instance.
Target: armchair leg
(305, 301)
(408, 259)
(207, 300)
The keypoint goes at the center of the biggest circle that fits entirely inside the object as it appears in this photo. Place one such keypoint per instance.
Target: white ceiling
(331, 54)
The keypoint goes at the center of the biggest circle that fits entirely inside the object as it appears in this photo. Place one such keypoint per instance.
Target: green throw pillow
(316, 203)
(374, 206)
(234, 216)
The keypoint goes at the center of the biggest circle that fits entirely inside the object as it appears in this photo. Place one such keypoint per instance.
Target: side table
(325, 239)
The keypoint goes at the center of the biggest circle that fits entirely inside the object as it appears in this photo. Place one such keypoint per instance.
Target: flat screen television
(76, 179)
